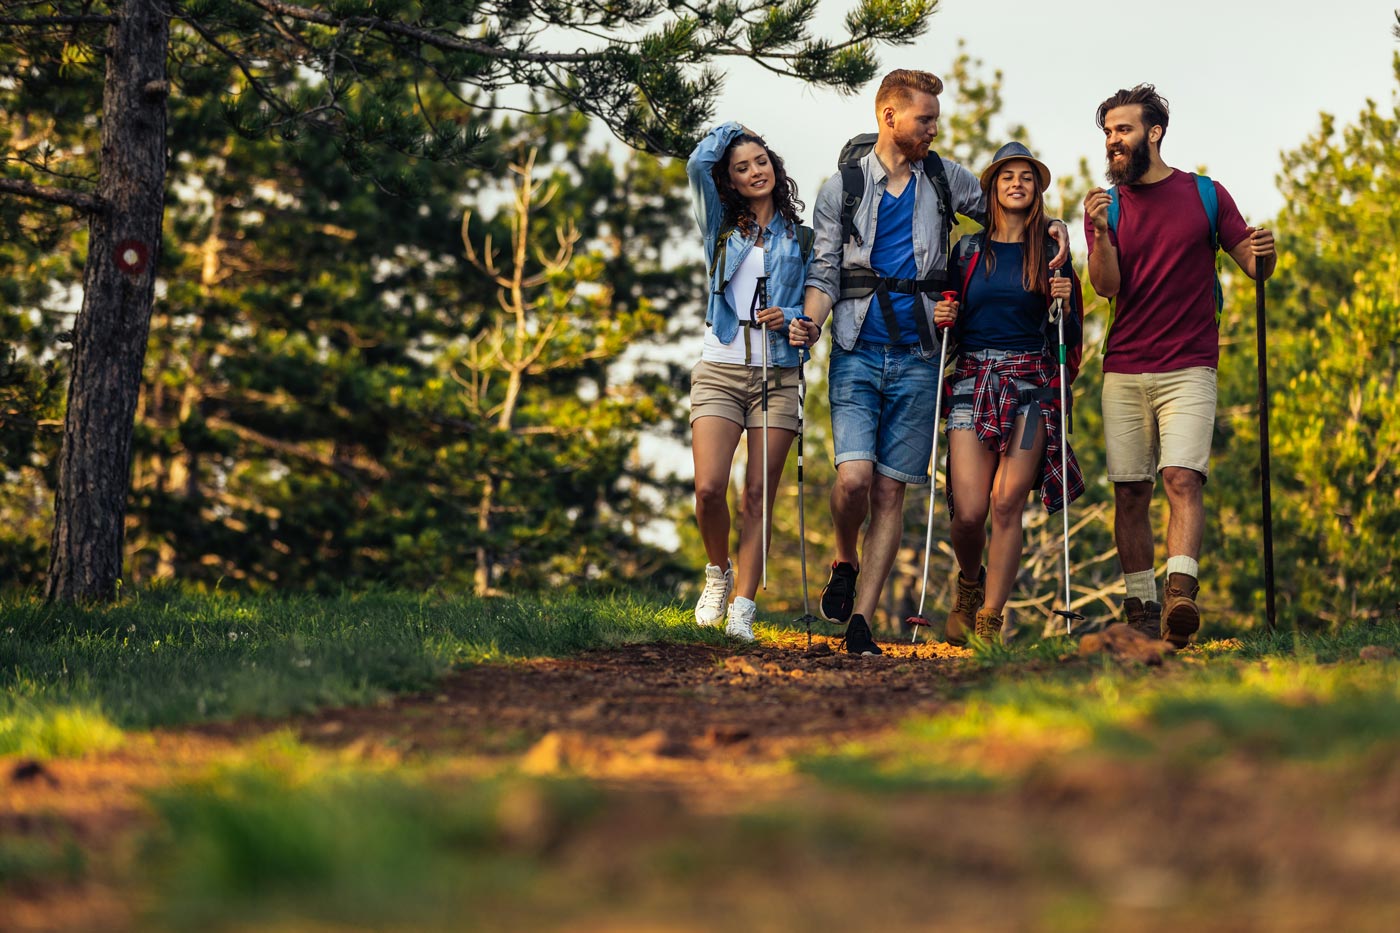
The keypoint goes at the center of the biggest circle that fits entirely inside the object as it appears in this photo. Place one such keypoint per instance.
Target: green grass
(270, 839)
(69, 675)
(1268, 698)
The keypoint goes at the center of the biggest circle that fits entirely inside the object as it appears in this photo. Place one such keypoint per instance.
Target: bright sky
(1246, 80)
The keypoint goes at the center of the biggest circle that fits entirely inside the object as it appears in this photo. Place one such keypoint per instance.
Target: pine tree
(647, 76)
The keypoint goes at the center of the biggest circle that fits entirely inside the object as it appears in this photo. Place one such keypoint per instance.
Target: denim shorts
(960, 414)
(882, 402)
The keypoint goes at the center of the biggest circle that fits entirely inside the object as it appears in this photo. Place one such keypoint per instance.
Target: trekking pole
(1264, 450)
(919, 619)
(761, 300)
(807, 617)
(1057, 312)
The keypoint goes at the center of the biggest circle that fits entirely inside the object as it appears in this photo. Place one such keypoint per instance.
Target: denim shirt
(782, 255)
(830, 255)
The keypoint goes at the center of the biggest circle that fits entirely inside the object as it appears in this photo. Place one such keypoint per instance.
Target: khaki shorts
(735, 391)
(1156, 420)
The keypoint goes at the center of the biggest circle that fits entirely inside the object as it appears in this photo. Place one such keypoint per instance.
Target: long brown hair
(737, 212)
(1033, 258)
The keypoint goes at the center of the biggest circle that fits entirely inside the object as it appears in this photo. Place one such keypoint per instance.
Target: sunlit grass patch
(1278, 707)
(254, 844)
(163, 658)
(44, 731)
(1287, 708)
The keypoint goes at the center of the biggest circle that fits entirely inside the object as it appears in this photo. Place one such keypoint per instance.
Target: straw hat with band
(1008, 153)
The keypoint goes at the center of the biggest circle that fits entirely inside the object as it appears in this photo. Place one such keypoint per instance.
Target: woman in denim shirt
(1003, 425)
(747, 209)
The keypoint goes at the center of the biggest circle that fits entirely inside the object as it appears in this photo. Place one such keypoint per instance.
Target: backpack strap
(852, 190)
(1205, 187)
(938, 176)
(721, 248)
(965, 257)
(806, 239)
(853, 182)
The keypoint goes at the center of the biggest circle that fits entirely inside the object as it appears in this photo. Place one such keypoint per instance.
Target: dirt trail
(697, 730)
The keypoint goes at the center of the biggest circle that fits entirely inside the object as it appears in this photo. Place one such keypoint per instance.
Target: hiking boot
(858, 638)
(718, 585)
(1144, 618)
(962, 620)
(1180, 617)
(988, 624)
(740, 624)
(839, 594)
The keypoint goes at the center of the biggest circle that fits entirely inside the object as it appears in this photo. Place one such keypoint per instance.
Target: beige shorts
(1156, 420)
(735, 391)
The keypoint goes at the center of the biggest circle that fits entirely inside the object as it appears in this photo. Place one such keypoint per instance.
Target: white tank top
(740, 295)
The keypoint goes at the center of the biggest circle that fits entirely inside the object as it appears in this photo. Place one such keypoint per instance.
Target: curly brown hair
(737, 212)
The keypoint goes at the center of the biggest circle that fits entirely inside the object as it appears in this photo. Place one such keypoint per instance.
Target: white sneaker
(740, 624)
(718, 585)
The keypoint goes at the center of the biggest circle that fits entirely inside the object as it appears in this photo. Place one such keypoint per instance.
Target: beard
(911, 147)
(1138, 162)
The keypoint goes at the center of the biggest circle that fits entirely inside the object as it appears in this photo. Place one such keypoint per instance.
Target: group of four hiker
(876, 269)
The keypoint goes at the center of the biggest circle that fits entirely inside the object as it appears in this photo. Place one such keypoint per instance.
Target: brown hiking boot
(1145, 618)
(1181, 618)
(988, 624)
(963, 617)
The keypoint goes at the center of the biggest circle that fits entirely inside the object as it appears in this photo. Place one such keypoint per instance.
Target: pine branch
(94, 19)
(426, 36)
(87, 203)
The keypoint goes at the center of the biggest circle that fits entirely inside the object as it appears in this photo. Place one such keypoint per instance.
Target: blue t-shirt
(892, 256)
(997, 312)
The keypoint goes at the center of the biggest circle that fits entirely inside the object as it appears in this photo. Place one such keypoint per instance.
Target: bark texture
(110, 334)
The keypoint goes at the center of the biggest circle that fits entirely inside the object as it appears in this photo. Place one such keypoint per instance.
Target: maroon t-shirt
(1165, 312)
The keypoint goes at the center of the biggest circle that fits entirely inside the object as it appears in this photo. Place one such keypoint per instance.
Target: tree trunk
(109, 336)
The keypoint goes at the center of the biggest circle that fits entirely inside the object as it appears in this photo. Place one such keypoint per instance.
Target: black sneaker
(839, 594)
(858, 640)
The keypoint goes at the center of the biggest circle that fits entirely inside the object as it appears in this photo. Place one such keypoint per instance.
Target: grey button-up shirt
(829, 254)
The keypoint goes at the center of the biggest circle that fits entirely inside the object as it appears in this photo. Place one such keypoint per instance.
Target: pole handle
(947, 296)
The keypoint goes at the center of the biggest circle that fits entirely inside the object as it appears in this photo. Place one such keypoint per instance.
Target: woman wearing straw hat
(1003, 424)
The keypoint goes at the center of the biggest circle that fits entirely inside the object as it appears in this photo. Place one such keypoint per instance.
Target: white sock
(1183, 564)
(1142, 585)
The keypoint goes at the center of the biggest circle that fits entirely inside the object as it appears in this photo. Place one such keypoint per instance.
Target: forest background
(380, 356)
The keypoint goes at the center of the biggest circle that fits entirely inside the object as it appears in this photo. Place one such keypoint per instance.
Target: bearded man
(1154, 258)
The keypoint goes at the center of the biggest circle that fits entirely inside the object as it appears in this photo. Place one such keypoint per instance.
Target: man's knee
(886, 494)
(1182, 483)
(1132, 497)
(853, 479)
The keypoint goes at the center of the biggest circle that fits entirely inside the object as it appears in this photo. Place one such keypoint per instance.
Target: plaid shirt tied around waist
(995, 399)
